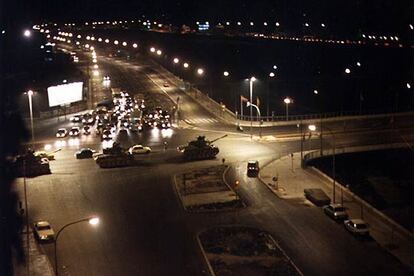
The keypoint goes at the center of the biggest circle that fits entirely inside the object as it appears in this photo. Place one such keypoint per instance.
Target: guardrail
(282, 118)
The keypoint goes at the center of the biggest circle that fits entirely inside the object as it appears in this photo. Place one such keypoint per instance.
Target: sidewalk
(292, 180)
(39, 264)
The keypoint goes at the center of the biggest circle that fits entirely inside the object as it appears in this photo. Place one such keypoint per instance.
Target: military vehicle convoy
(200, 149)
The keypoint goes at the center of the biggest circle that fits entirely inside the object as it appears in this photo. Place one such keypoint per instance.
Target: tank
(114, 157)
(116, 149)
(30, 165)
(200, 149)
(114, 161)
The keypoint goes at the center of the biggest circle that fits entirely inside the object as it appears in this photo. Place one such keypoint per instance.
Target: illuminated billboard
(65, 93)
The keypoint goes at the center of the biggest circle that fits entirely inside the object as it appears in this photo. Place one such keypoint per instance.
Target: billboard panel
(65, 93)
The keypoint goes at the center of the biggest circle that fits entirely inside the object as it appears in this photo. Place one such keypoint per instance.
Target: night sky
(381, 15)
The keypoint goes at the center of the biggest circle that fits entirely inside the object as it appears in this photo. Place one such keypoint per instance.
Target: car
(139, 149)
(252, 168)
(164, 124)
(106, 135)
(42, 231)
(317, 196)
(84, 153)
(106, 78)
(336, 211)
(166, 84)
(74, 131)
(61, 133)
(123, 131)
(357, 227)
(86, 130)
(76, 118)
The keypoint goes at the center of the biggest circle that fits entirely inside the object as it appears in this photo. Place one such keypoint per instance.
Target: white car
(139, 149)
(76, 118)
(43, 231)
(336, 211)
(61, 133)
(357, 227)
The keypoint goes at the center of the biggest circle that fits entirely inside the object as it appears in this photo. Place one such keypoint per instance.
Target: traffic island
(206, 190)
(239, 250)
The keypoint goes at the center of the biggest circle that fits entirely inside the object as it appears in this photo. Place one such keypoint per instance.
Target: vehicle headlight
(163, 125)
(168, 124)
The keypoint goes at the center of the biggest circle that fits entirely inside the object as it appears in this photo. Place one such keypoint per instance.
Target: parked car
(43, 231)
(336, 211)
(84, 153)
(139, 149)
(357, 227)
(61, 133)
(252, 168)
(317, 196)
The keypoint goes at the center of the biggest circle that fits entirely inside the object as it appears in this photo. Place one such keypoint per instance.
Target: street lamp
(27, 33)
(29, 95)
(226, 73)
(287, 101)
(176, 60)
(92, 220)
(152, 50)
(333, 161)
(258, 115)
(302, 138)
(186, 65)
(200, 71)
(251, 81)
(347, 70)
(159, 52)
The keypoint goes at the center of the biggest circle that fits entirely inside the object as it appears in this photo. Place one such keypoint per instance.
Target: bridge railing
(283, 118)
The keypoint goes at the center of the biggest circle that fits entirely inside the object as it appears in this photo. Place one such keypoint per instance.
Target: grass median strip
(206, 190)
(239, 250)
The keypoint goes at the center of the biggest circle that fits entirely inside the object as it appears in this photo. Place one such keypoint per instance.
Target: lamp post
(271, 76)
(91, 220)
(29, 95)
(258, 115)
(333, 162)
(251, 80)
(287, 101)
(310, 128)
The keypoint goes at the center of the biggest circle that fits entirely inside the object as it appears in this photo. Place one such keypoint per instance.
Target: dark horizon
(384, 15)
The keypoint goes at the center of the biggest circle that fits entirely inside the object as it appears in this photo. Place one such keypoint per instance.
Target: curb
(286, 255)
(178, 193)
(261, 179)
(205, 255)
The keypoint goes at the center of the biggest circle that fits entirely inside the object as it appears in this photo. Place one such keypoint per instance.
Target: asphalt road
(145, 231)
